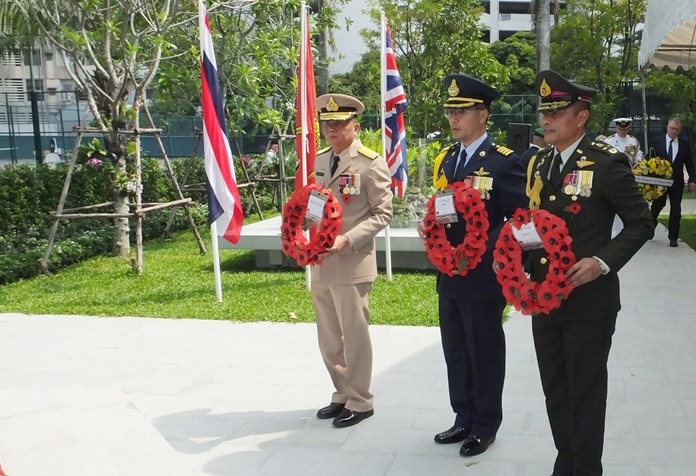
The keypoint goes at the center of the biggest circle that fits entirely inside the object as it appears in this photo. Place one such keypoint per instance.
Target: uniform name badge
(527, 236)
(578, 182)
(444, 207)
(349, 184)
(315, 206)
(483, 184)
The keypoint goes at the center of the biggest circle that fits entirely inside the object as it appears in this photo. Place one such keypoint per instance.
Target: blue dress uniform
(572, 342)
(471, 306)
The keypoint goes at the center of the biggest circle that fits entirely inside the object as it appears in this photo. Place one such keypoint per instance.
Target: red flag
(307, 125)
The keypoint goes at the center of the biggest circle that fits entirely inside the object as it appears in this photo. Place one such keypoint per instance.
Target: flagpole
(216, 261)
(383, 102)
(303, 119)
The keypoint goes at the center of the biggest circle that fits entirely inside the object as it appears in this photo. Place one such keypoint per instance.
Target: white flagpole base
(216, 261)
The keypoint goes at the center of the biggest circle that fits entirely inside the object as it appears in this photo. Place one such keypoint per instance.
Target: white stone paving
(89, 396)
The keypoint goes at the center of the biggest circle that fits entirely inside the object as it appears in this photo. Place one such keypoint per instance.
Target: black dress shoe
(330, 411)
(475, 445)
(453, 435)
(673, 243)
(350, 418)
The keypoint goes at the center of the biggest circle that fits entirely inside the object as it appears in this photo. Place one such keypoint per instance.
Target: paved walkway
(86, 396)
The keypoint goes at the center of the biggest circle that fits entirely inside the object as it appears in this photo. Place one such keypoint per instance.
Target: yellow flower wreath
(653, 176)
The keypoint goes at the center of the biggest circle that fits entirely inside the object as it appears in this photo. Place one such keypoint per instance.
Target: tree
(111, 50)
(432, 39)
(517, 53)
(596, 43)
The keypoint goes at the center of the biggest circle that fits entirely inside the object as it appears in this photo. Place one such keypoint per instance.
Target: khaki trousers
(342, 314)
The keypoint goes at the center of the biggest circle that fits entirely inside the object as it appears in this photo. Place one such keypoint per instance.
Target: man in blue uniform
(586, 183)
(471, 306)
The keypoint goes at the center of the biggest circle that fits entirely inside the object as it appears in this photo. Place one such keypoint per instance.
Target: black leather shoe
(350, 418)
(330, 411)
(453, 435)
(673, 243)
(475, 445)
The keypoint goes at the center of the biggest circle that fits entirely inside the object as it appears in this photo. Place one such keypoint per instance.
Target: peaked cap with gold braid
(557, 93)
(465, 92)
(338, 107)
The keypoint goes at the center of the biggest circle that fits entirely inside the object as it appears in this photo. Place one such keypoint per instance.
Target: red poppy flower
(294, 244)
(530, 297)
(467, 255)
(574, 208)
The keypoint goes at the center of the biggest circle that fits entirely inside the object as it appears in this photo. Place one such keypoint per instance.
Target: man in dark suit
(471, 306)
(572, 342)
(678, 152)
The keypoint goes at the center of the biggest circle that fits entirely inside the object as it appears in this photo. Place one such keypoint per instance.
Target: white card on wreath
(527, 236)
(444, 207)
(315, 206)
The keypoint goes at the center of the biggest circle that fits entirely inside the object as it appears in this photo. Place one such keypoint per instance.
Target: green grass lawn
(178, 282)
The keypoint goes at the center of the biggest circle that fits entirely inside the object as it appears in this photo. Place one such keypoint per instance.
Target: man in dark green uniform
(572, 342)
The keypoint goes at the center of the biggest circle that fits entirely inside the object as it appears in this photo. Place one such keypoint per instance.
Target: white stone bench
(407, 250)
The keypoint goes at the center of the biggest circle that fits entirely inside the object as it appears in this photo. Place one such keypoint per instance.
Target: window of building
(37, 86)
(11, 59)
(12, 89)
(32, 57)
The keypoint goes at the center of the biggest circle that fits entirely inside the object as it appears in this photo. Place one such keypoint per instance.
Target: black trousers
(572, 357)
(474, 346)
(674, 193)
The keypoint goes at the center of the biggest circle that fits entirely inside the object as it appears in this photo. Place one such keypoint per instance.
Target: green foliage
(433, 38)
(678, 90)
(31, 194)
(596, 43)
(178, 283)
(518, 54)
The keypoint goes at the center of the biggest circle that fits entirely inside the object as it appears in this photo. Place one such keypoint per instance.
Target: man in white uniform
(625, 142)
(629, 145)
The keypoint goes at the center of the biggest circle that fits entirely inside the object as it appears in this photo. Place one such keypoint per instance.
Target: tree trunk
(121, 244)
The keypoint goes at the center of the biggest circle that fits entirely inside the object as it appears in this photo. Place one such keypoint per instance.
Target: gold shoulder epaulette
(326, 149)
(604, 147)
(367, 152)
(439, 179)
(504, 150)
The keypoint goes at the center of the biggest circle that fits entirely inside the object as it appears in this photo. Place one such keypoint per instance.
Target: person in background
(471, 307)
(586, 183)
(341, 284)
(624, 142)
(537, 144)
(678, 152)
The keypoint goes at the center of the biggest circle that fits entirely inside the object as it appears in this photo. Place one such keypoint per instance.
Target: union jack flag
(224, 204)
(394, 125)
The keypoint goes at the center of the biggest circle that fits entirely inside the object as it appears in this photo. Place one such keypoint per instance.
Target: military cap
(623, 122)
(338, 107)
(557, 93)
(538, 132)
(465, 92)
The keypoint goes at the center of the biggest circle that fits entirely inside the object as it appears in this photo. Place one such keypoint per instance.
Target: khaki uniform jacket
(364, 214)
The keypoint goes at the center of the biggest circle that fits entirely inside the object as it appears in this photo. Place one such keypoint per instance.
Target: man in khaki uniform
(359, 178)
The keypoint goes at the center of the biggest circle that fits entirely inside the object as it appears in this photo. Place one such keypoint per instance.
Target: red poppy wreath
(460, 259)
(293, 242)
(527, 296)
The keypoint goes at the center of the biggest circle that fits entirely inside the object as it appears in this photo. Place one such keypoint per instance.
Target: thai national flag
(394, 126)
(224, 205)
